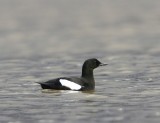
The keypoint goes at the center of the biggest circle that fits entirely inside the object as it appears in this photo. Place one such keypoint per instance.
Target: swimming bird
(83, 83)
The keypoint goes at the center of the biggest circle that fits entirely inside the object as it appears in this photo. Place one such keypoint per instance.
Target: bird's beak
(102, 64)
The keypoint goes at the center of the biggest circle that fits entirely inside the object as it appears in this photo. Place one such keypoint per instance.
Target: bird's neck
(87, 74)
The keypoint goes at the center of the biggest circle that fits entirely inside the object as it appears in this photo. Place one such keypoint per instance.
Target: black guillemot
(83, 83)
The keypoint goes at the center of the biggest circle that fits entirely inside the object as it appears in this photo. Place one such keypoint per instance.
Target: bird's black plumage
(85, 82)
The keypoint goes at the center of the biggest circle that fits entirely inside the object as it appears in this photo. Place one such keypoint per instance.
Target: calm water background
(45, 39)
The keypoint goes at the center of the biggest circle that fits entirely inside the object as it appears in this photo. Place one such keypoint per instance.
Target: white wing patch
(70, 84)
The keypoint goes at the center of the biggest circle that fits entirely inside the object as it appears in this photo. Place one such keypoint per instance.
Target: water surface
(44, 40)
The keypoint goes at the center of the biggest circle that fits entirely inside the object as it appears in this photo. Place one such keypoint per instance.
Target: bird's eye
(95, 62)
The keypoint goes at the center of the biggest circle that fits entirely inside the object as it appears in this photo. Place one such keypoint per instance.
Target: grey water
(42, 40)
